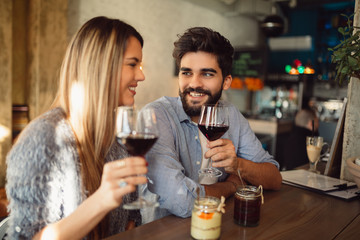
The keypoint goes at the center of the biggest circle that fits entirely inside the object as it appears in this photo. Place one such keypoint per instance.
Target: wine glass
(138, 132)
(213, 123)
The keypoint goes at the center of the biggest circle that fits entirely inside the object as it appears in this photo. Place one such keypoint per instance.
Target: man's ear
(227, 82)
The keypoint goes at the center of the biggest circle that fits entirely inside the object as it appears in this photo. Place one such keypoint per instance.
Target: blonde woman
(66, 176)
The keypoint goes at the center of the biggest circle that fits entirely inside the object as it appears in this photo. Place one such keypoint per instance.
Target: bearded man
(204, 58)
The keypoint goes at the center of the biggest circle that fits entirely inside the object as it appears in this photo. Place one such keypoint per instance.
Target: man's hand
(222, 152)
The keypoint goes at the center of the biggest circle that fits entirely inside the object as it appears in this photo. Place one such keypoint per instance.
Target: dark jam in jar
(247, 206)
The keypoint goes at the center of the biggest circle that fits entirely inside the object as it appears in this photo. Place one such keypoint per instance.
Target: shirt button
(196, 137)
(17, 229)
(197, 162)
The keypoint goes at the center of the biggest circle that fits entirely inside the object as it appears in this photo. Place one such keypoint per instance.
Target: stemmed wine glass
(213, 123)
(138, 132)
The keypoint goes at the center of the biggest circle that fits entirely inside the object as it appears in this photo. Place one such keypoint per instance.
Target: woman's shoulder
(41, 137)
(50, 118)
(42, 128)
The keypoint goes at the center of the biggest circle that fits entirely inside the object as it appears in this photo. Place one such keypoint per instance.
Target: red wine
(138, 144)
(213, 132)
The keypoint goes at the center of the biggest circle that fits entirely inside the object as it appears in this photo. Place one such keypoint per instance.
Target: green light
(287, 68)
(301, 69)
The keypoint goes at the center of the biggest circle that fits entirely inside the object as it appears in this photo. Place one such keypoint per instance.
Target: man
(294, 149)
(204, 58)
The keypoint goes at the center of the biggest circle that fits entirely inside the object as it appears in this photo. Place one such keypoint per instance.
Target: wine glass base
(312, 167)
(140, 204)
(314, 171)
(210, 172)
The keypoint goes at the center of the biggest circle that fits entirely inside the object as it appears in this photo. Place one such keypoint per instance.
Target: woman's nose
(140, 76)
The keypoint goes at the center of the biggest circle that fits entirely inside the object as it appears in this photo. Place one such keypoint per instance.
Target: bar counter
(290, 213)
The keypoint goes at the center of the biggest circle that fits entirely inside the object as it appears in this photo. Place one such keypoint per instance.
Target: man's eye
(186, 73)
(208, 74)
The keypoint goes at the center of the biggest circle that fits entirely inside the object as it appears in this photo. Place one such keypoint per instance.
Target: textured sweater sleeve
(35, 185)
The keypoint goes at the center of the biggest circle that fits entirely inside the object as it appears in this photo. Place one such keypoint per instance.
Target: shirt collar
(180, 111)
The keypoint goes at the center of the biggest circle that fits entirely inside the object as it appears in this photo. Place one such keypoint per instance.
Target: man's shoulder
(168, 110)
(229, 104)
(170, 101)
(164, 105)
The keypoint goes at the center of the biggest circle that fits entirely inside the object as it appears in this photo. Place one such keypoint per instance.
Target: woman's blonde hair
(89, 91)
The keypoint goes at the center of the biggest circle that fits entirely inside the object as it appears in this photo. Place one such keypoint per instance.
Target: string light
(297, 68)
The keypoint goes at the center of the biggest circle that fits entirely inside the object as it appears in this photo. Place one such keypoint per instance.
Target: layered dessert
(205, 219)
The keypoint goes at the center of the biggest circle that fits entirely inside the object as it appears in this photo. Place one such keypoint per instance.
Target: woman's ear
(227, 82)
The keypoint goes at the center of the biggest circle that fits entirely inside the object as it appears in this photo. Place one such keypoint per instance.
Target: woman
(67, 178)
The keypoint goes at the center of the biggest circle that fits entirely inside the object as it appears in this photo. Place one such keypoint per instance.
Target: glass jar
(248, 200)
(206, 219)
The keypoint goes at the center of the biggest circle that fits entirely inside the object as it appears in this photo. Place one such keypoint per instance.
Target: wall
(47, 27)
(5, 83)
(19, 52)
(33, 40)
(159, 21)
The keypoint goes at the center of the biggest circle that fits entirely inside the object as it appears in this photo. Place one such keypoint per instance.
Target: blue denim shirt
(175, 158)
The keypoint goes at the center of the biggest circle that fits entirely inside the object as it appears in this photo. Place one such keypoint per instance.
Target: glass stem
(140, 190)
(210, 163)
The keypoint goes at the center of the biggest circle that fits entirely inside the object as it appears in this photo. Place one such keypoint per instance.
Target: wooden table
(291, 213)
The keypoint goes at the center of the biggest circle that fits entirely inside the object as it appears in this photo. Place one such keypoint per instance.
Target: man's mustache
(198, 90)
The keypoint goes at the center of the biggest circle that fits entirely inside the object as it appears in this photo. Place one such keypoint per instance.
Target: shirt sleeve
(176, 192)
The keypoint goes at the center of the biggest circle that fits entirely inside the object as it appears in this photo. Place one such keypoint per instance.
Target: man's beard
(193, 111)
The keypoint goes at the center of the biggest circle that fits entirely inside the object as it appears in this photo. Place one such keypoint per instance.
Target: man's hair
(205, 40)
(304, 116)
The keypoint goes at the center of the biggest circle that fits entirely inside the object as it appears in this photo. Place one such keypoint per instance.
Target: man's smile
(196, 94)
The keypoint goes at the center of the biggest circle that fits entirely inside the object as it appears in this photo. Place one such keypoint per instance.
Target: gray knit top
(43, 178)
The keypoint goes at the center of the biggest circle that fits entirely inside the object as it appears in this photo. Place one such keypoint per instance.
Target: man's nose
(196, 81)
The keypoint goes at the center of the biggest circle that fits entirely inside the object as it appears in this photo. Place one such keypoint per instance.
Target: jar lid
(207, 202)
(250, 192)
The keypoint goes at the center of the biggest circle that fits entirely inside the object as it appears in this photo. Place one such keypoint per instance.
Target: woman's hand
(119, 178)
(222, 152)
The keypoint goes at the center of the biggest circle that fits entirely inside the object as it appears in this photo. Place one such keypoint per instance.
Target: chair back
(3, 228)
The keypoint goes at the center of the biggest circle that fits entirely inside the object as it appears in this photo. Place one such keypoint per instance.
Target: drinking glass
(247, 204)
(213, 123)
(314, 145)
(138, 132)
